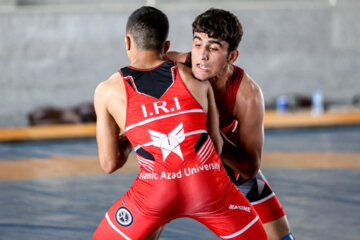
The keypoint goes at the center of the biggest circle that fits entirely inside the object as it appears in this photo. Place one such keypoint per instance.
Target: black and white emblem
(124, 217)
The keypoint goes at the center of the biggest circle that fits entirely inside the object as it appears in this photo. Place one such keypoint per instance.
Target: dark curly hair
(220, 24)
(149, 27)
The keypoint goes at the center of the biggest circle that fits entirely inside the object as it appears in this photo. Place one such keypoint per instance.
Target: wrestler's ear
(233, 55)
(128, 42)
(166, 47)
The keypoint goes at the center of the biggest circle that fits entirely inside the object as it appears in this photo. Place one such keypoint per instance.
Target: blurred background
(53, 53)
(304, 54)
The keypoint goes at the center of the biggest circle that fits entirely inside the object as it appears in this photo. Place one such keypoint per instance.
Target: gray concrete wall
(57, 58)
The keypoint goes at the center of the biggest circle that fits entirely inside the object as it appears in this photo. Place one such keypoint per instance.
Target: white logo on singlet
(244, 208)
(161, 107)
(170, 142)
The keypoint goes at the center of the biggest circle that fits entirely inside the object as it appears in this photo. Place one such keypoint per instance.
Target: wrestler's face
(209, 56)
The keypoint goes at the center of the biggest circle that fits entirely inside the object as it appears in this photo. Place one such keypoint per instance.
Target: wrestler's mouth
(202, 67)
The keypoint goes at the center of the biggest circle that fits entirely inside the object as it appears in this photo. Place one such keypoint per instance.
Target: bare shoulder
(110, 86)
(249, 97)
(115, 80)
(110, 89)
(110, 98)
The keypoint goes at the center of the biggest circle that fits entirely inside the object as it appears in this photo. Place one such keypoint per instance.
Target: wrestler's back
(180, 169)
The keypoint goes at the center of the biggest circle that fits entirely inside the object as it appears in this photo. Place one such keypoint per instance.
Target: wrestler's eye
(213, 49)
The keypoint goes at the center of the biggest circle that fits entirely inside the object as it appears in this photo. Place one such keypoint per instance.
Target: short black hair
(220, 24)
(149, 27)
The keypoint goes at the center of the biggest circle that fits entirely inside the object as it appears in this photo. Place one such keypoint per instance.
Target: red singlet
(258, 190)
(180, 173)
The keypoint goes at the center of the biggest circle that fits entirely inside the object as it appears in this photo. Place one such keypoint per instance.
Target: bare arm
(176, 56)
(245, 155)
(113, 149)
(212, 122)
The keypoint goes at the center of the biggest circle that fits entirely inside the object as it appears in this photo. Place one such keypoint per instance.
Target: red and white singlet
(180, 175)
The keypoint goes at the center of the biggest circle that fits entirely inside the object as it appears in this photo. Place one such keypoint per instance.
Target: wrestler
(216, 36)
(170, 119)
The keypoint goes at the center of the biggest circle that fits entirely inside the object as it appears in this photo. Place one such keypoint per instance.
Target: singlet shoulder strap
(188, 59)
(232, 88)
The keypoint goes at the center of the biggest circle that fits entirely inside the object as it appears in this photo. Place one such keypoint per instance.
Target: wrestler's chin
(201, 76)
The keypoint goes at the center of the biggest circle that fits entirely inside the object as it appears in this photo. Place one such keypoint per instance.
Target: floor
(56, 190)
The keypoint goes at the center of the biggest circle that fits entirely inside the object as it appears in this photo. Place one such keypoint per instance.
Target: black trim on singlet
(188, 60)
(230, 172)
(259, 191)
(152, 82)
(145, 154)
(259, 188)
(130, 83)
(200, 141)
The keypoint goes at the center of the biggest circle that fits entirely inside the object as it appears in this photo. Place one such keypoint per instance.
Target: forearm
(239, 160)
(125, 149)
(113, 160)
(176, 56)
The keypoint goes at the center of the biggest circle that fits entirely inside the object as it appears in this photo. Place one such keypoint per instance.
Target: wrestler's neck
(144, 59)
(219, 82)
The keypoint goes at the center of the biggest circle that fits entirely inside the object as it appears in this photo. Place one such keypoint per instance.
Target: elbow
(251, 173)
(252, 169)
(108, 167)
(248, 173)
